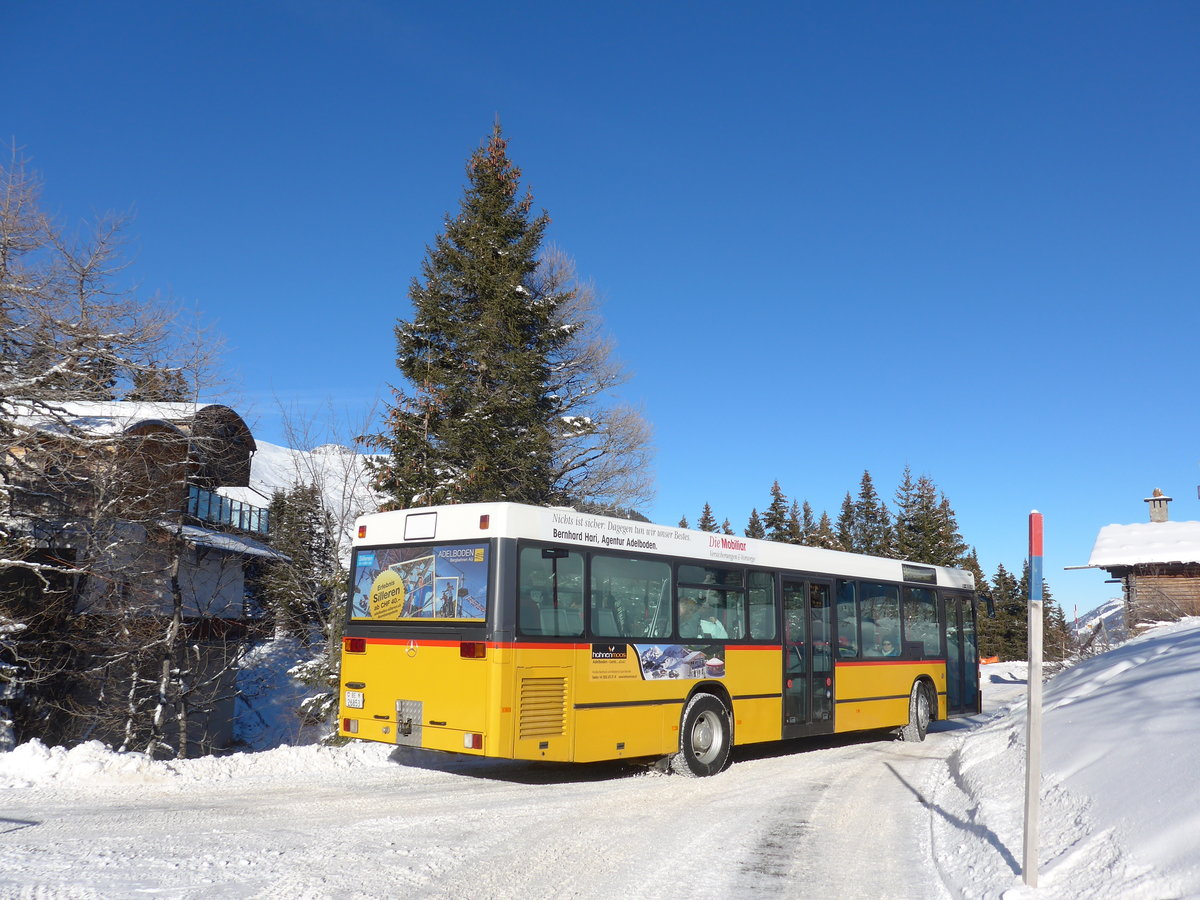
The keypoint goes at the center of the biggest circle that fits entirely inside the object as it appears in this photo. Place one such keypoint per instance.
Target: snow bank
(93, 765)
(1119, 817)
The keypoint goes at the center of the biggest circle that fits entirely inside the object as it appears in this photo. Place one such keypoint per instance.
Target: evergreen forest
(921, 527)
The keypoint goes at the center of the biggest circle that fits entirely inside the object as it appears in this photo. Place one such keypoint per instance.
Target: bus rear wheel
(918, 714)
(705, 737)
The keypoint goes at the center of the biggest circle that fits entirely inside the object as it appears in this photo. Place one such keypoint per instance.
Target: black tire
(705, 737)
(919, 714)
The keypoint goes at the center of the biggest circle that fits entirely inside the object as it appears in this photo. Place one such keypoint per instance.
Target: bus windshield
(431, 582)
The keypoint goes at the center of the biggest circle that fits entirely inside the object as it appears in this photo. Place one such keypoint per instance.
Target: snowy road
(841, 818)
(851, 818)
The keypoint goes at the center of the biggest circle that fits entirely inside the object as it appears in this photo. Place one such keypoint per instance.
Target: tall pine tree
(754, 528)
(823, 535)
(504, 368)
(1008, 634)
(795, 525)
(1060, 638)
(775, 518)
(1057, 640)
(872, 521)
(808, 526)
(303, 592)
(845, 530)
(475, 425)
(926, 529)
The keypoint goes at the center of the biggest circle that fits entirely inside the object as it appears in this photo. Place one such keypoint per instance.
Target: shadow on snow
(519, 771)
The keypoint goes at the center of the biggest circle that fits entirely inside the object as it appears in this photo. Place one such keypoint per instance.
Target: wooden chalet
(1157, 564)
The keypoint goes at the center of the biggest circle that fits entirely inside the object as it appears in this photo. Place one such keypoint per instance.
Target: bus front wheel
(918, 714)
(705, 736)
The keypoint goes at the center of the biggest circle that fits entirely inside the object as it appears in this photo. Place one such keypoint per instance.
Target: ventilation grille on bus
(543, 706)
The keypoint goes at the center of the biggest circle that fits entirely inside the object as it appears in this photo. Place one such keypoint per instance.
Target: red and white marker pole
(1033, 734)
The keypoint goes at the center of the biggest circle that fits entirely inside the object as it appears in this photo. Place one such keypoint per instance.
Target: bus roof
(566, 526)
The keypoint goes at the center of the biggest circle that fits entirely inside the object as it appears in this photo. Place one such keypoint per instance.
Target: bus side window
(880, 607)
(763, 614)
(635, 592)
(920, 619)
(550, 593)
(712, 602)
(847, 618)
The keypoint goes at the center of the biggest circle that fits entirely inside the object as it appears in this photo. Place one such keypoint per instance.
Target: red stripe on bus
(528, 645)
(498, 645)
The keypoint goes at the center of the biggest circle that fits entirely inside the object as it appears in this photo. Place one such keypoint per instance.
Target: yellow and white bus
(522, 632)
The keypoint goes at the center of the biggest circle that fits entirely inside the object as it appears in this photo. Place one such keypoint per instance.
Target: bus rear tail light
(484, 522)
(354, 645)
(472, 650)
(350, 726)
(472, 741)
(362, 532)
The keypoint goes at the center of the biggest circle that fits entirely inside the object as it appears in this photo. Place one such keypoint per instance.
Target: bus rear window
(444, 582)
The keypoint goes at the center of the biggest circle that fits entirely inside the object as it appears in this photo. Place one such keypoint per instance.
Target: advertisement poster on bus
(654, 662)
(434, 583)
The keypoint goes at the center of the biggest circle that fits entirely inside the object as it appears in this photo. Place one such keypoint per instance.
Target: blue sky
(830, 237)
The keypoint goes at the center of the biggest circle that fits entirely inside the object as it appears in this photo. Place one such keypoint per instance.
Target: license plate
(354, 699)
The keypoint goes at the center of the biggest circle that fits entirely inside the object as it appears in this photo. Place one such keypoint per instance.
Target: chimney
(1158, 506)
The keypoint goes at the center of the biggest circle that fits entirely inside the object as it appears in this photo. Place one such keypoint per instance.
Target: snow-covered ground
(1120, 812)
(844, 817)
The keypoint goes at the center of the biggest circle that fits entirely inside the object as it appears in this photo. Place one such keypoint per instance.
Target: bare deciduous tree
(90, 513)
(602, 450)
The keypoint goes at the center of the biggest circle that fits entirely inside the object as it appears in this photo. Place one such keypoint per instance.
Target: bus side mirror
(990, 605)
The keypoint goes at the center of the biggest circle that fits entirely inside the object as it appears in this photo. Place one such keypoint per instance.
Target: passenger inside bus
(710, 624)
(689, 617)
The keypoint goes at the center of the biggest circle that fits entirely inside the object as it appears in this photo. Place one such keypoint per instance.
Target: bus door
(962, 654)
(808, 658)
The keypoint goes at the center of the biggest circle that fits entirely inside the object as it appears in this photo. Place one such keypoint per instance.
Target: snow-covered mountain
(1102, 627)
(339, 471)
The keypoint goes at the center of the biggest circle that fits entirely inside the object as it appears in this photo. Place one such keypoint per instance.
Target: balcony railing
(209, 506)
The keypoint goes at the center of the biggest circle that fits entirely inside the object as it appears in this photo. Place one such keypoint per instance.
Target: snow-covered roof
(106, 417)
(229, 543)
(1146, 542)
